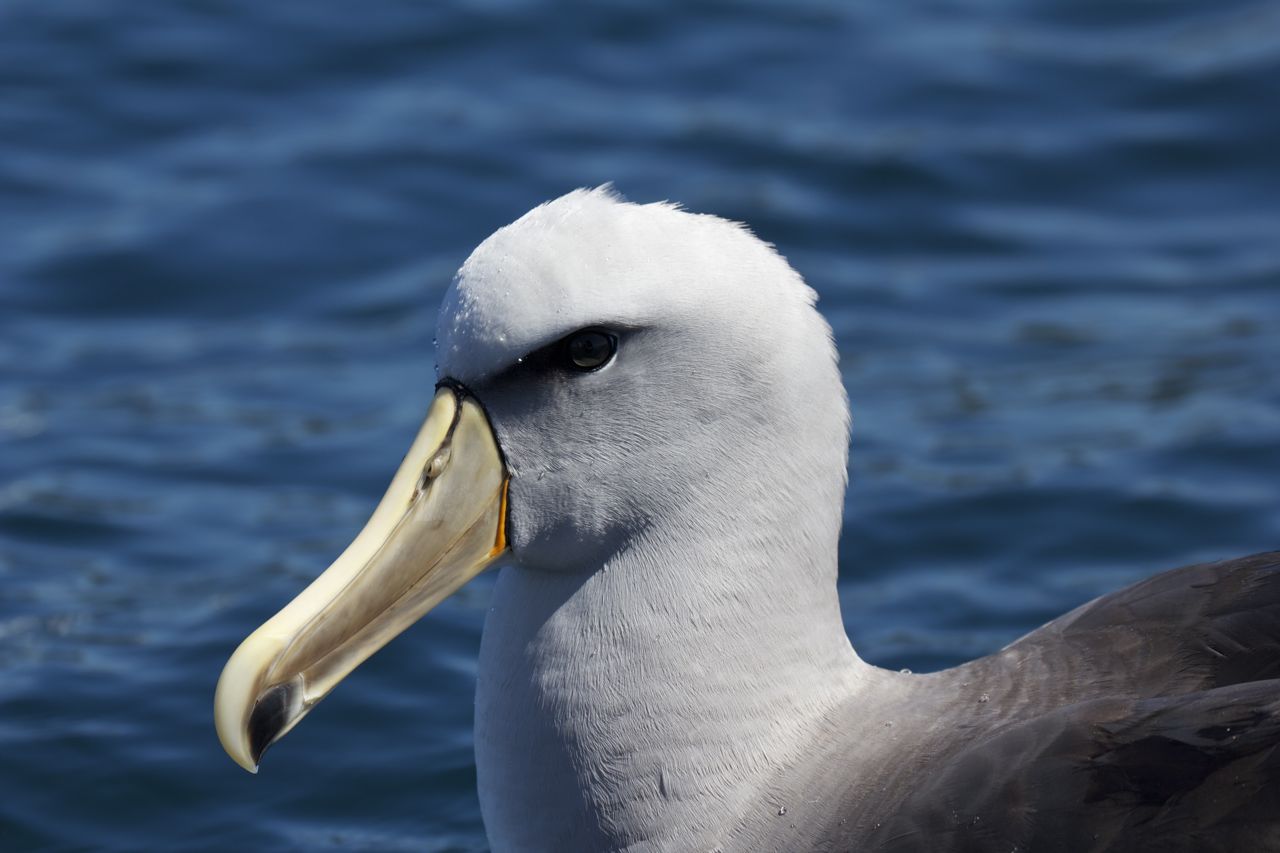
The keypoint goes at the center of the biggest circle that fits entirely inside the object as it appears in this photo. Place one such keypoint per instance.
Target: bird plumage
(664, 666)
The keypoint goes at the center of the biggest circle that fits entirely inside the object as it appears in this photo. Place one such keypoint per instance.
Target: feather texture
(665, 667)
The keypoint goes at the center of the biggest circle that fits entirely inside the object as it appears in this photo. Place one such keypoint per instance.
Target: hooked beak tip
(273, 714)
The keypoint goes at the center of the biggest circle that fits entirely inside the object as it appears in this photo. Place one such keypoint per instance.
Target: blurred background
(1047, 235)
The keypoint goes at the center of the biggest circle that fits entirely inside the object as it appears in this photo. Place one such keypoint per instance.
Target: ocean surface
(1047, 235)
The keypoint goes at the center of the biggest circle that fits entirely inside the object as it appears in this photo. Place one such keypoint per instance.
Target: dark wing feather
(1198, 772)
(1195, 628)
(1146, 720)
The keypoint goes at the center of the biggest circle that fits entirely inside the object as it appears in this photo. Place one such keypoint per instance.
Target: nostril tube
(438, 463)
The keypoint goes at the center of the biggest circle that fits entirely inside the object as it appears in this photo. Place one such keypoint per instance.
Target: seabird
(639, 419)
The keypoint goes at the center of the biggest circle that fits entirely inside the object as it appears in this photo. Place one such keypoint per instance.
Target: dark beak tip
(270, 717)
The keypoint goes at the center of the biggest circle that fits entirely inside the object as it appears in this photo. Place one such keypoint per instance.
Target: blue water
(1047, 235)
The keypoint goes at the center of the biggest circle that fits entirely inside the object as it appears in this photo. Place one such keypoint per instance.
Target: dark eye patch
(584, 351)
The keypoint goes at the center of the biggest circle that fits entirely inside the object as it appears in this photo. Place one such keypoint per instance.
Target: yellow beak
(441, 522)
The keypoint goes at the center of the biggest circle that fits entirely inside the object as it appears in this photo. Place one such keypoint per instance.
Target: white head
(724, 371)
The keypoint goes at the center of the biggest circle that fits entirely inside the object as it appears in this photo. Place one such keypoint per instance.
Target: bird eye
(590, 349)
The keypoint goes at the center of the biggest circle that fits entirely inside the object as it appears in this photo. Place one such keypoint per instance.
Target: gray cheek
(558, 523)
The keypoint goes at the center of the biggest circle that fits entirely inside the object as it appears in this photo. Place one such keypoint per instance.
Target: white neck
(646, 705)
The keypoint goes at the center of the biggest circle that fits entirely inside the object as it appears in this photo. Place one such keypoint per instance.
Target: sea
(1046, 234)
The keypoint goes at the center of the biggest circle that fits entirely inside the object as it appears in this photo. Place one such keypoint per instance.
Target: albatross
(639, 419)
